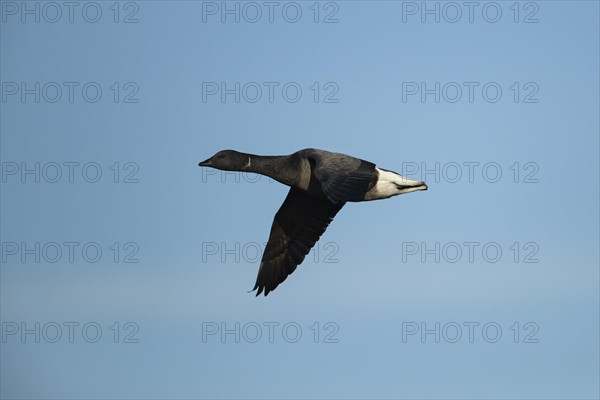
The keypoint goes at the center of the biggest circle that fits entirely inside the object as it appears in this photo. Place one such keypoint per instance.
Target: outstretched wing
(343, 178)
(297, 226)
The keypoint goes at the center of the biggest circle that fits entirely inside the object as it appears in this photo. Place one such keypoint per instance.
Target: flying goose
(321, 183)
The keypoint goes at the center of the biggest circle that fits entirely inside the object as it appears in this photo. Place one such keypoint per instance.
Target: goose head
(228, 160)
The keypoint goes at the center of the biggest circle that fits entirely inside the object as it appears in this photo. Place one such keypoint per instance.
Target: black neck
(276, 167)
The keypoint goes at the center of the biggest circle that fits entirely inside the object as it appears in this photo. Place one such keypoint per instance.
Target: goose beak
(205, 163)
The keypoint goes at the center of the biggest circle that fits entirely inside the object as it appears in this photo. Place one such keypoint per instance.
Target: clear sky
(126, 267)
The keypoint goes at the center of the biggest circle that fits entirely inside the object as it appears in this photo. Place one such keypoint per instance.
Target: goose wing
(297, 226)
(343, 178)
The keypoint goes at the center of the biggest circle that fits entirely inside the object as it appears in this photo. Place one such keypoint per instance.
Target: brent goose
(321, 183)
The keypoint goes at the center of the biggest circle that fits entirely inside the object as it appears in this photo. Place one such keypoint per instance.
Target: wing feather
(343, 178)
(297, 226)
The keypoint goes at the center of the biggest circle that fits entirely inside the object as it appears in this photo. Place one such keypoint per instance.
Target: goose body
(321, 183)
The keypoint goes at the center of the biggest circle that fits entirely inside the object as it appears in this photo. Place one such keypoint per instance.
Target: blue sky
(117, 171)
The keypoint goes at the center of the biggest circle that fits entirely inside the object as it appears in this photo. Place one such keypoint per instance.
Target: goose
(321, 182)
